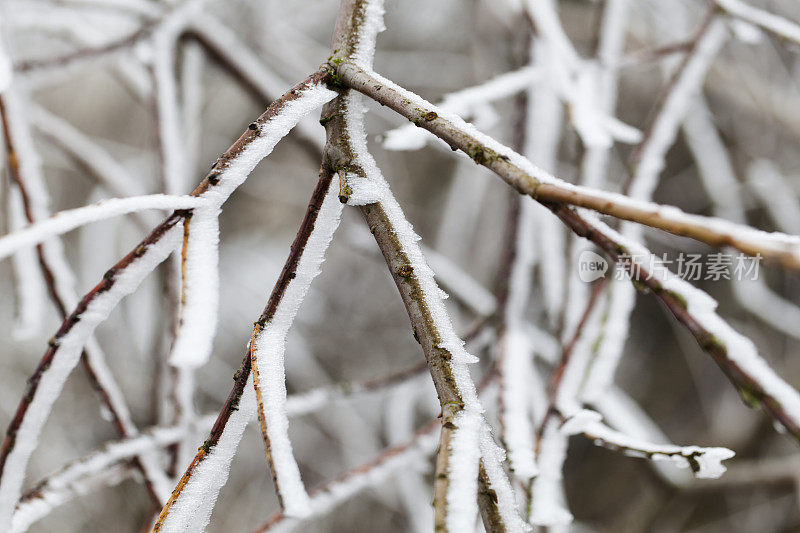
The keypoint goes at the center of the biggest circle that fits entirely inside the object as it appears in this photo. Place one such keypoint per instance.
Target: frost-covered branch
(465, 103)
(200, 484)
(66, 221)
(735, 354)
(704, 462)
(530, 180)
(780, 26)
(268, 347)
(457, 467)
(25, 171)
(124, 277)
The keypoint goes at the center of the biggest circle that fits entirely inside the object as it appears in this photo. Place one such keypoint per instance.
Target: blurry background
(353, 326)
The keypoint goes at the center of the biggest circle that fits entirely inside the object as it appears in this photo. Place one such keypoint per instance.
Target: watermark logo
(591, 266)
(688, 267)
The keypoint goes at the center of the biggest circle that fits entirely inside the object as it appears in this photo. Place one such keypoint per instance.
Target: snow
(547, 499)
(374, 189)
(68, 220)
(65, 480)
(776, 24)
(465, 454)
(493, 458)
(191, 510)
(269, 349)
(465, 449)
(34, 509)
(199, 304)
(269, 133)
(368, 29)
(705, 462)
(517, 427)
(30, 289)
(719, 180)
(64, 360)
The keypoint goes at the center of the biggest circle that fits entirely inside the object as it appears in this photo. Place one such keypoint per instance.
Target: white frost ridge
(193, 343)
(65, 221)
(704, 462)
(270, 345)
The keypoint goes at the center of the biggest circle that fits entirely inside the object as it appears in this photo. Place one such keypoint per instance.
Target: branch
(704, 462)
(456, 478)
(528, 179)
(123, 278)
(25, 171)
(780, 26)
(736, 355)
(210, 464)
(269, 342)
(68, 220)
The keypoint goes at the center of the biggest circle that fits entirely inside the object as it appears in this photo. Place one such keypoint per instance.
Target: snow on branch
(38, 506)
(65, 221)
(364, 186)
(200, 289)
(462, 419)
(62, 356)
(704, 462)
(89, 472)
(776, 24)
(269, 373)
(122, 279)
(61, 485)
